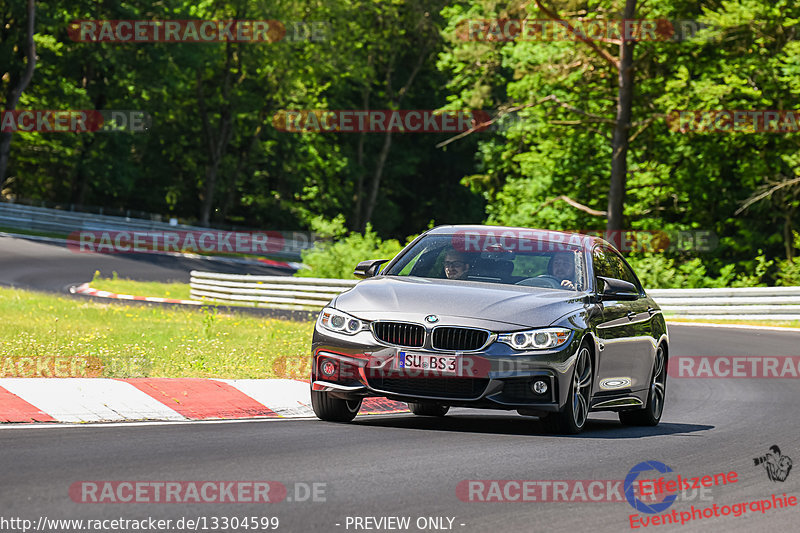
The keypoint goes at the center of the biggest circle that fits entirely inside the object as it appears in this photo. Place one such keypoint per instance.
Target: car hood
(461, 302)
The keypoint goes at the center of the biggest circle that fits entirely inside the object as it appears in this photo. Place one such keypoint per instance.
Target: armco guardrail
(283, 292)
(280, 292)
(750, 303)
(65, 222)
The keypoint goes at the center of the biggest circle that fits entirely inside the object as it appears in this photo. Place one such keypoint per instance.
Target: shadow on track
(520, 426)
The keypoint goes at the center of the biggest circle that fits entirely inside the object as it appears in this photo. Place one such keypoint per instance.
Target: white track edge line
(59, 425)
(736, 326)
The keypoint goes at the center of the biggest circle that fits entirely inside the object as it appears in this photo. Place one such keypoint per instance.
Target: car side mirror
(617, 289)
(367, 269)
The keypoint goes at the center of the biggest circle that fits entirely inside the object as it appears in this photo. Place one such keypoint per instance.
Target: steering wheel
(545, 280)
(554, 281)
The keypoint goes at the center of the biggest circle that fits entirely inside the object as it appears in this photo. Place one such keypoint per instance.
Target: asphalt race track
(52, 267)
(407, 466)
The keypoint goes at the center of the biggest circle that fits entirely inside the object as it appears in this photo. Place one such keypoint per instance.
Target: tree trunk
(359, 193)
(387, 140)
(217, 147)
(244, 156)
(788, 235)
(15, 92)
(376, 179)
(358, 208)
(79, 183)
(620, 140)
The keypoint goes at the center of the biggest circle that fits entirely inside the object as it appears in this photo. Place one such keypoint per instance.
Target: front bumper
(497, 377)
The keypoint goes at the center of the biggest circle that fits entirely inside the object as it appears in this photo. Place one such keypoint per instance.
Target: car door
(628, 350)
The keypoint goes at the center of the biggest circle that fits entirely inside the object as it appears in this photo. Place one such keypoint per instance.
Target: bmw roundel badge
(432, 319)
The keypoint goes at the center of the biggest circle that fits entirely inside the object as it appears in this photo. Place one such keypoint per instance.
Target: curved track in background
(407, 466)
(53, 268)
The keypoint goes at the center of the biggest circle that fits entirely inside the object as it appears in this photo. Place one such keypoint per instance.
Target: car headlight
(335, 320)
(536, 339)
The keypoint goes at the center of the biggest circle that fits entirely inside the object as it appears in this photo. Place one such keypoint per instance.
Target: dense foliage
(213, 155)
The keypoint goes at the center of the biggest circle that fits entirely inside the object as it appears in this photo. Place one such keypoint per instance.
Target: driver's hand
(568, 284)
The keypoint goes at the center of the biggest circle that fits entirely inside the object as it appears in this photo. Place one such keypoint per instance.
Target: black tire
(428, 409)
(571, 419)
(651, 414)
(333, 409)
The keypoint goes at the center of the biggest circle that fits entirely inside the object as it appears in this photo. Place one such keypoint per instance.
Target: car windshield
(484, 257)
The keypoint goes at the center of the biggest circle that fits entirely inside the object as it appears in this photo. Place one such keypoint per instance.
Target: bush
(789, 271)
(339, 256)
(658, 271)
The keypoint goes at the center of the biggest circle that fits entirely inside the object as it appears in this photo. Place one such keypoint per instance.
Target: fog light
(328, 368)
(539, 387)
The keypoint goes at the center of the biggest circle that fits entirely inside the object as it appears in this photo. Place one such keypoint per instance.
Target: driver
(456, 265)
(562, 267)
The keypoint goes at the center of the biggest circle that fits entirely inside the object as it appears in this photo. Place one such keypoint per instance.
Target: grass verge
(33, 233)
(772, 323)
(39, 330)
(180, 291)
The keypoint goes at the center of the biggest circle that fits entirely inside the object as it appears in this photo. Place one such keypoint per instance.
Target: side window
(600, 261)
(609, 264)
(409, 266)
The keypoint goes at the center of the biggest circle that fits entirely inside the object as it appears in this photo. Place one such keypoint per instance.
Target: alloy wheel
(659, 385)
(581, 385)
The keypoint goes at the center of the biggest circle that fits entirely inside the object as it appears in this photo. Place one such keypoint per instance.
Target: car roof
(587, 241)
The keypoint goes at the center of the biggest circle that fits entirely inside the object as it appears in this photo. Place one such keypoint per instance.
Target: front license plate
(434, 363)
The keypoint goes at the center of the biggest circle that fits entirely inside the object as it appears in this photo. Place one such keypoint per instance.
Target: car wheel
(333, 409)
(651, 414)
(428, 409)
(572, 418)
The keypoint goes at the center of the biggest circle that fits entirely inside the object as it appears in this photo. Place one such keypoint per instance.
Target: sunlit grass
(35, 233)
(179, 291)
(776, 323)
(151, 341)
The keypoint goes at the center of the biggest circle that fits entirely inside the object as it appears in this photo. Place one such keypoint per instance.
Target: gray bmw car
(548, 324)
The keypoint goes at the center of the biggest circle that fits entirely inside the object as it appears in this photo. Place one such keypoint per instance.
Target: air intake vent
(399, 333)
(455, 388)
(459, 339)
